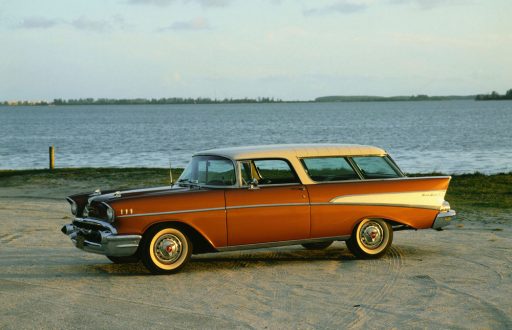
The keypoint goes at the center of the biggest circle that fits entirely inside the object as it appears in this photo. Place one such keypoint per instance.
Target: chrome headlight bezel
(73, 206)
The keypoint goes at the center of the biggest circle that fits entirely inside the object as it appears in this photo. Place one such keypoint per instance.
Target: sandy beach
(456, 278)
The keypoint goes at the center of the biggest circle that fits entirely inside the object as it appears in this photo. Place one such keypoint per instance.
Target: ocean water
(445, 136)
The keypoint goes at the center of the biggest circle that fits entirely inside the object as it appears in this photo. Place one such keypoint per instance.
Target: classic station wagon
(261, 196)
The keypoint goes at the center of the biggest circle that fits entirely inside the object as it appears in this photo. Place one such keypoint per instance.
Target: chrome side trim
(281, 243)
(265, 205)
(377, 204)
(171, 212)
(212, 209)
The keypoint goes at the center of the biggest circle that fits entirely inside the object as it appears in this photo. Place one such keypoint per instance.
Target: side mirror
(253, 184)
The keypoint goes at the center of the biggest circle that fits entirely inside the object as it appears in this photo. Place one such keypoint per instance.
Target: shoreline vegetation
(467, 191)
(494, 96)
(202, 100)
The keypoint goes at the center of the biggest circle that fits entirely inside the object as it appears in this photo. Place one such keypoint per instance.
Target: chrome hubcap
(168, 248)
(371, 235)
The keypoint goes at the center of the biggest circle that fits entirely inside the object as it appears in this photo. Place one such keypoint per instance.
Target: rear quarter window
(375, 167)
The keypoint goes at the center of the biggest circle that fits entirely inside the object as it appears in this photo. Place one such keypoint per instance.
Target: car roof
(294, 151)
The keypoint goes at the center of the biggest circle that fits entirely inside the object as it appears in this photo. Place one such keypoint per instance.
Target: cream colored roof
(290, 151)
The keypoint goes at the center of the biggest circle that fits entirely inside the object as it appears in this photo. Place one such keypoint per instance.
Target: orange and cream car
(261, 196)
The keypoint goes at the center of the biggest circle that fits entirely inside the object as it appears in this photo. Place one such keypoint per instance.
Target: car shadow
(90, 267)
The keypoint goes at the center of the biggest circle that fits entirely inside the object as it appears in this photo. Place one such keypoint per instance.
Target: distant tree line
(494, 96)
(6, 103)
(171, 100)
(368, 98)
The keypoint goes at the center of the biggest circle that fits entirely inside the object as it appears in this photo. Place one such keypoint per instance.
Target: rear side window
(329, 169)
(274, 171)
(375, 167)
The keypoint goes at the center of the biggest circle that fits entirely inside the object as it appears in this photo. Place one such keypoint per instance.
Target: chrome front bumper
(96, 236)
(443, 219)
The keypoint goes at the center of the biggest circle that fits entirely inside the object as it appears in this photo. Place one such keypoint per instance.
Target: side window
(375, 167)
(274, 171)
(329, 169)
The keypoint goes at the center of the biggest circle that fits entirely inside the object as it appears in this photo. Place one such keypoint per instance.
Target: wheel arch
(396, 224)
(200, 243)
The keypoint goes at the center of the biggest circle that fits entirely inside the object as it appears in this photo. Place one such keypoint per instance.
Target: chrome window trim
(395, 165)
(281, 243)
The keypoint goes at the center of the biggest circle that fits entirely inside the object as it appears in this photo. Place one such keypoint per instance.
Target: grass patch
(480, 190)
(106, 178)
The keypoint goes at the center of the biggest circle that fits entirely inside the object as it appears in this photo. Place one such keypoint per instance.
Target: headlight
(445, 207)
(110, 213)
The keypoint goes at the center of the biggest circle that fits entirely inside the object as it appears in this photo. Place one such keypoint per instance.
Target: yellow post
(52, 157)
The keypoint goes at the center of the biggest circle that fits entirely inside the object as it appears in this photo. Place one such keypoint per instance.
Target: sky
(287, 49)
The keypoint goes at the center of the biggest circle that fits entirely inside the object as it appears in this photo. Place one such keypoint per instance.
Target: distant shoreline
(260, 100)
(183, 101)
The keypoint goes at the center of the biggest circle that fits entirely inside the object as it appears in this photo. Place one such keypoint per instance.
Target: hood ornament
(117, 194)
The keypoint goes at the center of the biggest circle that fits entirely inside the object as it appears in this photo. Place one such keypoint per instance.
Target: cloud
(196, 24)
(81, 23)
(429, 4)
(87, 24)
(163, 3)
(339, 7)
(38, 23)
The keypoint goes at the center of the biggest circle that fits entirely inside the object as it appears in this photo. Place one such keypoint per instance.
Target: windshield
(209, 170)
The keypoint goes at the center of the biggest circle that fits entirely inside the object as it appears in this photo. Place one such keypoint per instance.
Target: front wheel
(165, 250)
(370, 239)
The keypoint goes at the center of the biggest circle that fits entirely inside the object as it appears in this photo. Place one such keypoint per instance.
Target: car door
(276, 207)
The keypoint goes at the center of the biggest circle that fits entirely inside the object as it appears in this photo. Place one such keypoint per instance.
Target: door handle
(299, 188)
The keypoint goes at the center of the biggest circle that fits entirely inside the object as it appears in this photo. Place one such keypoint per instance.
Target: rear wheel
(124, 260)
(317, 245)
(165, 250)
(370, 239)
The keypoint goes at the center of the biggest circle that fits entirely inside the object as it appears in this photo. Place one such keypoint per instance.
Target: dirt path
(457, 278)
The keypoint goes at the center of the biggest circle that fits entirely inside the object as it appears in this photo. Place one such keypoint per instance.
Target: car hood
(112, 195)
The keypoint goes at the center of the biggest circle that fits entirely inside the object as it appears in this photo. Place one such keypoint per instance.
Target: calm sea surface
(449, 136)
